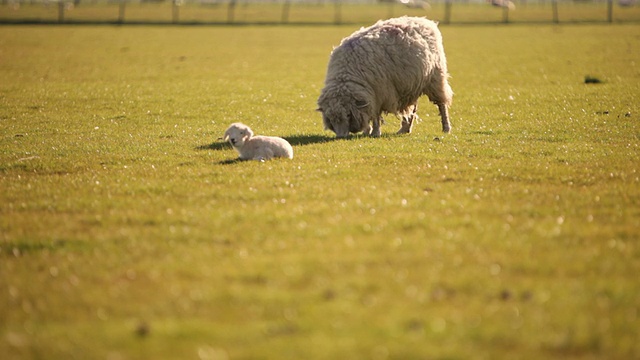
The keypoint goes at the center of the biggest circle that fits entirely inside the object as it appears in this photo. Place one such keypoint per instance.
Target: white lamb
(260, 148)
(385, 68)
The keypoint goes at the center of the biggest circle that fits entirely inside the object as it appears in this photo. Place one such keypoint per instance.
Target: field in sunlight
(127, 233)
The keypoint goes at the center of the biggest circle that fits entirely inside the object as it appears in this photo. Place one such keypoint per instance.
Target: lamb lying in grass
(260, 148)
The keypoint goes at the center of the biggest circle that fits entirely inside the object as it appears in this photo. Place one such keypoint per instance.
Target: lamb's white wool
(385, 68)
(251, 147)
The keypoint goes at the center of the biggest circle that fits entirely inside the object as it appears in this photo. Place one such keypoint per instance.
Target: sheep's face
(237, 134)
(344, 116)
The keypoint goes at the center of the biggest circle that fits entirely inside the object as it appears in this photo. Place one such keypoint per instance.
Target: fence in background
(314, 11)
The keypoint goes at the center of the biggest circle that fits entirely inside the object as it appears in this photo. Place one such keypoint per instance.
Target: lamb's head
(237, 134)
(343, 114)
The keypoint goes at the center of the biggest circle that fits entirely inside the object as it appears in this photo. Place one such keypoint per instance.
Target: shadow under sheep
(296, 140)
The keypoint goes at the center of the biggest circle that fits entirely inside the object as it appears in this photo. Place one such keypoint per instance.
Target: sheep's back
(394, 59)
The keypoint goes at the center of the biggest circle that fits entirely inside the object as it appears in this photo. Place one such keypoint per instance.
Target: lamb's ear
(361, 104)
(226, 137)
(319, 109)
(249, 133)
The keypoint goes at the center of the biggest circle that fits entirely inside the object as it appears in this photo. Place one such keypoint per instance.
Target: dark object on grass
(592, 80)
(142, 329)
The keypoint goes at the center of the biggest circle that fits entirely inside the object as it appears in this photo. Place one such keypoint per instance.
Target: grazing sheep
(385, 68)
(260, 148)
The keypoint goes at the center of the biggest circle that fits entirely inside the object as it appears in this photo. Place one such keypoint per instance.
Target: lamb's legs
(263, 155)
(407, 120)
(444, 114)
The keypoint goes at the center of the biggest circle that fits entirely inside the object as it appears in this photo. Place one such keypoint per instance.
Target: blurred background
(315, 12)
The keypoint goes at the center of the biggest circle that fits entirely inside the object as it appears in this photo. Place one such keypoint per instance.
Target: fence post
(338, 15)
(121, 11)
(230, 11)
(61, 11)
(554, 9)
(175, 14)
(610, 11)
(285, 11)
(505, 12)
(447, 12)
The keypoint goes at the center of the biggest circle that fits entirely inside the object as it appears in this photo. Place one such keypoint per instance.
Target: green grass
(127, 232)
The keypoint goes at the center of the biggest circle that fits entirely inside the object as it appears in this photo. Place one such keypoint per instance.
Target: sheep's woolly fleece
(385, 68)
(260, 148)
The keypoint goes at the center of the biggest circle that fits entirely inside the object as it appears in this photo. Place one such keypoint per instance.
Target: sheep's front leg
(367, 130)
(407, 119)
(444, 114)
(375, 131)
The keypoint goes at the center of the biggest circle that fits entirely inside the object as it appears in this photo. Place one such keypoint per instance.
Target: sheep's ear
(361, 104)
(226, 137)
(356, 115)
(319, 109)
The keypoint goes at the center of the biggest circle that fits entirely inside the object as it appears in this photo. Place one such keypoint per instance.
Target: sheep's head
(237, 134)
(343, 114)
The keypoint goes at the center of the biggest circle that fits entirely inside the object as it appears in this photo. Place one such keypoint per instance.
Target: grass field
(127, 233)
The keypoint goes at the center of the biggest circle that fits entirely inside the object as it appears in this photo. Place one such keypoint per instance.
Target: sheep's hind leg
(408, 119)
(444, 114)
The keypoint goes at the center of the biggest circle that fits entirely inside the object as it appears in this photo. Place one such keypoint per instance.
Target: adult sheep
(385, 68)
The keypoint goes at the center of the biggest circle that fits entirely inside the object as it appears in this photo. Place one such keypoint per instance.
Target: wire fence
(209, 12)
